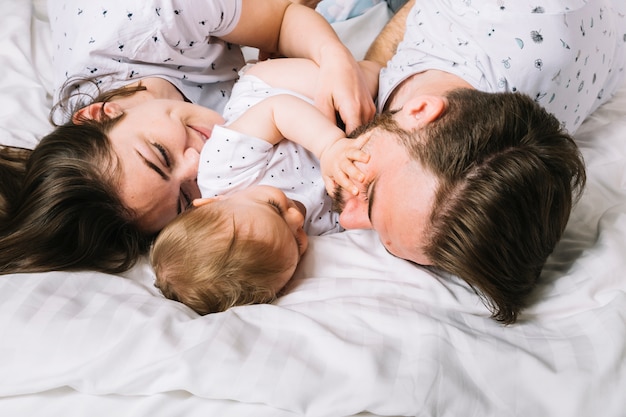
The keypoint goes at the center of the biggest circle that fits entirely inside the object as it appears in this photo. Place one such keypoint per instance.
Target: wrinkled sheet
(359, 332)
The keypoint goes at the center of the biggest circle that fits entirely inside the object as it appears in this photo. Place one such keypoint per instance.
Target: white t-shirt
(567, 54)
(133, 39)
(231, 161)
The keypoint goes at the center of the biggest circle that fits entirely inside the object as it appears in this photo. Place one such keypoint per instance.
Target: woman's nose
(188, 169)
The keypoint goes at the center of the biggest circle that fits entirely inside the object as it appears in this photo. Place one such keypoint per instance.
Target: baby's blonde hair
(203, 260)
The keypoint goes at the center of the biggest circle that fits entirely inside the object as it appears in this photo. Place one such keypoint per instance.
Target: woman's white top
(120, 42)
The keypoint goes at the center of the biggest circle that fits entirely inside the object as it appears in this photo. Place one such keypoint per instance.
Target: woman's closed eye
(163, 160)
(164, 154)
(184, 199)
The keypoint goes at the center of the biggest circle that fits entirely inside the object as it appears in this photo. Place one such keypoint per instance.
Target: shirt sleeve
(132, 39)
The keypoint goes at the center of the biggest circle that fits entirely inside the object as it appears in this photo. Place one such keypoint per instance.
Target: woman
(96, 190)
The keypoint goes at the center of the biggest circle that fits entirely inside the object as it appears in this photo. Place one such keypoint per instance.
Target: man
(466, 174)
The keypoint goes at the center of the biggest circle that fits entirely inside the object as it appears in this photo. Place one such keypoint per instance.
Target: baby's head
(230, 250)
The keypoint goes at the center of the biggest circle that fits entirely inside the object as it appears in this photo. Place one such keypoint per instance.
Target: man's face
(396, 198)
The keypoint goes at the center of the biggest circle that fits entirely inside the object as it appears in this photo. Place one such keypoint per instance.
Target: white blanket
(358, 333)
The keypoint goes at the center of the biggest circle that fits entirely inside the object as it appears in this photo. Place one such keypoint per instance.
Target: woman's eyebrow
(152, 166)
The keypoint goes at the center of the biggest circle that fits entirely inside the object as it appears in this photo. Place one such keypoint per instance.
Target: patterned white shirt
(568, 55)
(120, 42)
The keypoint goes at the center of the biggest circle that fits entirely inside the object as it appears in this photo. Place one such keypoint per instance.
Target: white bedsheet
(359, 332)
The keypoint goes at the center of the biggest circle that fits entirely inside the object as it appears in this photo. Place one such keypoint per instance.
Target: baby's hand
(337, 165)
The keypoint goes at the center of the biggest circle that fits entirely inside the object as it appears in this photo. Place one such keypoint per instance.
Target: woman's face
(158, 143)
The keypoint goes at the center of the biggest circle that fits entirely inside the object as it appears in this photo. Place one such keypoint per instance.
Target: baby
(262, 194)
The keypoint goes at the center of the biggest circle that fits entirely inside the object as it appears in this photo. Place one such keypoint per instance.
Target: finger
(352, 172)
(349, 178)
(360, 141)
(357, 113)
(330, 185)
(369, 110)
(357, 155)
(351, 117)
(347, 184)
(199, 202)
(325, 105)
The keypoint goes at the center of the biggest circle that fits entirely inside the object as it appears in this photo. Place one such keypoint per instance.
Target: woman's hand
(342, 89)
(294, 30)
(338, 168)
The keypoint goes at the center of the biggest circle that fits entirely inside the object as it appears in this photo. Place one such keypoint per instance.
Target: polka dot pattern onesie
(231, 161)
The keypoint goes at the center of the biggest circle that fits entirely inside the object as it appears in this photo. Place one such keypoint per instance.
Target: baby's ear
(199, 202)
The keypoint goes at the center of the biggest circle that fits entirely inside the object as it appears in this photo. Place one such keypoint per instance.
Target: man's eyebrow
(154, 167)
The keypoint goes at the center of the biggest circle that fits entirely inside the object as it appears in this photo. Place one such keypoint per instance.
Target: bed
(358, 333)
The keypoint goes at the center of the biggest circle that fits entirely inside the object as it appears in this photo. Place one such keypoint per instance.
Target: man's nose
(355, 215)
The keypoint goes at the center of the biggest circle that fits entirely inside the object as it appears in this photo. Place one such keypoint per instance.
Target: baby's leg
(300, 75)
(295, 74)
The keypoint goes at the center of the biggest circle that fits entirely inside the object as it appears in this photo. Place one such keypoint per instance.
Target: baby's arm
(286, 116)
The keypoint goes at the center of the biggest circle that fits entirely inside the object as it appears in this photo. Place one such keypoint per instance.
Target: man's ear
(421, 110)
(95, 111)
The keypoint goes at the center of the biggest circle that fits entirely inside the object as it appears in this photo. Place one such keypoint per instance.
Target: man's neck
(431, 82)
